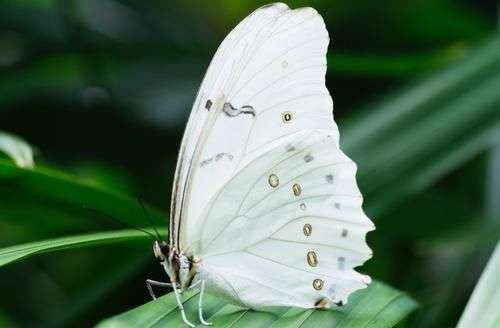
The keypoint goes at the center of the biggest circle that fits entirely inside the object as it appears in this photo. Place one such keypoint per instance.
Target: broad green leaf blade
(43, 203)
(440, 87)
(18, 252)
(377, 306)
(483, 309)
(17, 149)
(409, 141)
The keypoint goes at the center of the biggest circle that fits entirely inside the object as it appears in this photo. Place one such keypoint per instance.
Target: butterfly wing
(288, 229)
(266, 82)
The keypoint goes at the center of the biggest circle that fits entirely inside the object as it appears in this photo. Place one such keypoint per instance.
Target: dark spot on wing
(208, 104)
(232, 111)
(341, 263)
(321, 304)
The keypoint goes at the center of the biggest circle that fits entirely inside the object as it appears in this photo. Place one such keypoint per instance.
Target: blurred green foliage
(103, 88)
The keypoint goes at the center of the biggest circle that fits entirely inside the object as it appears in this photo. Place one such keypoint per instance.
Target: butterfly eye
(165, 249)
(160, 249)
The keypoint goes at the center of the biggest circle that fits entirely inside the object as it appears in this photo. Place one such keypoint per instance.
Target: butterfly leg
(181, 307)
(150, 283)
(200, 305)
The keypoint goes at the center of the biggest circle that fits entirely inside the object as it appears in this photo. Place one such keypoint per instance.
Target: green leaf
(18, 252)
(43, 203)
(17, 149)
(376, 306)
(408, 142)
(484, 304)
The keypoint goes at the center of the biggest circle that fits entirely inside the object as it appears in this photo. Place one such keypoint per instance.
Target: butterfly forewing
(222, 70)
(265, 82)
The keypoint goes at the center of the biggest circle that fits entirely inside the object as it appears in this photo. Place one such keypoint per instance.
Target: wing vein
(315, 244)
(231, 95)
(290, 100)
(286, 76)
(292, 267)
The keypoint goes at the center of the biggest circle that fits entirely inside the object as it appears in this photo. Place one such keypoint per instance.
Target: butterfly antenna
(146, 214)
(115, 220)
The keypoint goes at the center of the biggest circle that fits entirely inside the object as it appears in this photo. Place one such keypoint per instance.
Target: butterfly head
(168, 258)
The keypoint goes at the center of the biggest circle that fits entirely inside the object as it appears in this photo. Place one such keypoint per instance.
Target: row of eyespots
(312, 257)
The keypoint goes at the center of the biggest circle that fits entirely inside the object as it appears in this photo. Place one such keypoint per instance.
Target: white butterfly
(265, 208)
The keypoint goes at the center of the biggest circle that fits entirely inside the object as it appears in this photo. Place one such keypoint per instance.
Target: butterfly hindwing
(290, 220)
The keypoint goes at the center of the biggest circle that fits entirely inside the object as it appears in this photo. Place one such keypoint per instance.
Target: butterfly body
(265, 208)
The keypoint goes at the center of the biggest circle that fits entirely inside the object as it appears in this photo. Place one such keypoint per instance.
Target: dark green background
(103, 88)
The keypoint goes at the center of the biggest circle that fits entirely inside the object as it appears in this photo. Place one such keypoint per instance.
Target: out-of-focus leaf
(111, 18)
(377, 65)
(6, 322)
(105, 176)
(493, 179)
(43, 203)
(17, 149)
(61, 74)
(483, 309)
(466, 238)
(376, 306)
(92, 293)
(18, 252)
(413, 139)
